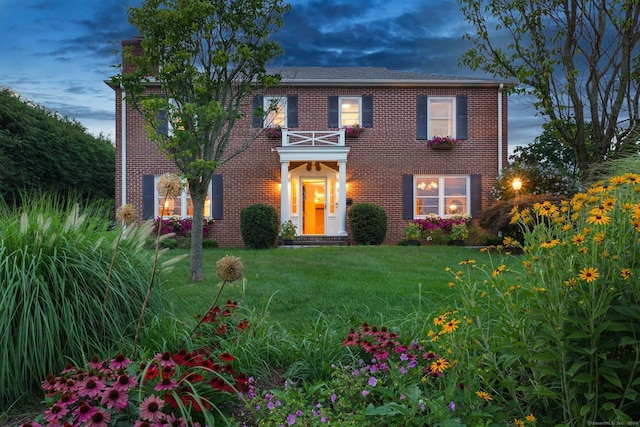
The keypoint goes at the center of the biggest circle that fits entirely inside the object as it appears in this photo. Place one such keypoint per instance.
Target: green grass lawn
(349, 284)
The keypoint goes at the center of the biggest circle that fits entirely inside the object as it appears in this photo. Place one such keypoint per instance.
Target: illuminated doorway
(314, 205)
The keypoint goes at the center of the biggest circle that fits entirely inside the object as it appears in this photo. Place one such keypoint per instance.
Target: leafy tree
(208, 57)
(578, 59)
(41, 151)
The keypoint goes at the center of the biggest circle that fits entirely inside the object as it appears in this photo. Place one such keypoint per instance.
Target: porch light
(516, 184)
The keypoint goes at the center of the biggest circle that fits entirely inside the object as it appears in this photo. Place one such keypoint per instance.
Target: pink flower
(166, 384)
(84, 412)
(91, 387)
(151, 408)
(55, 413)
(125, 382)
(99, 419)
(120, 361)
(165, 359)
(114, 398)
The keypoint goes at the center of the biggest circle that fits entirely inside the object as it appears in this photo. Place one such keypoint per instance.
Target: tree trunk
(197, 197)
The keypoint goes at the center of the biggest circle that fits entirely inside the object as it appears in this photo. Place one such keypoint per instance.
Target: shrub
(259, 226)
(368, 223)
(559, 338)
(538, 180)
(54, 263)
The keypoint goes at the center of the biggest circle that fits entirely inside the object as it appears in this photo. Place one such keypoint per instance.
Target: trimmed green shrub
(259, 225)
(368, 223)
(54, 264)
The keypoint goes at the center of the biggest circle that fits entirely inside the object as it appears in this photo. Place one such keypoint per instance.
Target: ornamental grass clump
(558, 339)
(54, 264)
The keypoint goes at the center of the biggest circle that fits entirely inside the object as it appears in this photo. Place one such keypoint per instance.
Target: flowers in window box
(442, 142)
(353, 131)
(274, 132)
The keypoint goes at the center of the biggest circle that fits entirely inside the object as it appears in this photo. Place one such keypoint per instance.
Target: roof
(372, 76)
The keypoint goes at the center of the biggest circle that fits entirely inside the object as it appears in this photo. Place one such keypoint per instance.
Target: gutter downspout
(123, 139)
(500, 137)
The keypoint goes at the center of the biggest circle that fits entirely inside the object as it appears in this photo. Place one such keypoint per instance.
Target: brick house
(313, 171)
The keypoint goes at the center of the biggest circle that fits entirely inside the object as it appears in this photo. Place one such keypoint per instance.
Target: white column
(284, 191)
(342, 202)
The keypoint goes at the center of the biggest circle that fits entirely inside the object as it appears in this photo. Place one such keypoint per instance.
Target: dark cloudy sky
(57, 53)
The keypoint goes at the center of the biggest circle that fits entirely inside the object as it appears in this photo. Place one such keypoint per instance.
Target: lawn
(347, 284)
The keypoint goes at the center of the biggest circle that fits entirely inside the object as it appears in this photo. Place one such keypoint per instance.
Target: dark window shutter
(407, 196)
(476, 195)
(216, 197)
(333, 112)
(163, 123)
(258, 112)
(292, 111)
(461, 117)
(421, 117)
(367, 111)
(148, 196)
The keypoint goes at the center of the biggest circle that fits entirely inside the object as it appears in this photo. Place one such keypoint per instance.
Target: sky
(58, 53)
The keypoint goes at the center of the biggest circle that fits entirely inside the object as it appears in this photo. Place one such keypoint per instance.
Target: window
(276, 108)
(350, 110)
(441, 116)
(181, 206)
(441, 195)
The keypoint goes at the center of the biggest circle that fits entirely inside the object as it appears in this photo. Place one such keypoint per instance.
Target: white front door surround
(335, 218)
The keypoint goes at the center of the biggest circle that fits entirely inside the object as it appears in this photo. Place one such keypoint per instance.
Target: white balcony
(313, 138)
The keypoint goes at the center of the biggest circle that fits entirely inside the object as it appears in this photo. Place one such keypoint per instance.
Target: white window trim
(354, 98)
(183, 201)
(452, 99)
(441, 195)
(266, 104)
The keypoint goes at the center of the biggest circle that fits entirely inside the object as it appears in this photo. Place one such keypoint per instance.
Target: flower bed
(180, 226)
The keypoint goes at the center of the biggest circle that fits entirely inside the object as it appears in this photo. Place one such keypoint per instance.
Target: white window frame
(444, 210)
(432, 116)
(281, 101)
(182, 199)
(358, 101)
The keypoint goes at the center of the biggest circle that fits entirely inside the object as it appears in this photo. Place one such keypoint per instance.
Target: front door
(314, 204)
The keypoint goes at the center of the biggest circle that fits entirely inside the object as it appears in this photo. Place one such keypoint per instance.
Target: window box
(442, 142)
(352, 131)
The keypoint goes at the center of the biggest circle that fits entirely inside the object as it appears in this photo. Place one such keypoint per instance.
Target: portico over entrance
(313, 167)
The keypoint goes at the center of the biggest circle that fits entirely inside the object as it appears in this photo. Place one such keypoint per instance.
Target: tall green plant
(54, 261)
(560, 337)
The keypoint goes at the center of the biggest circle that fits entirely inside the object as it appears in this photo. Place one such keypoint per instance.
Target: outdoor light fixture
(516, 184)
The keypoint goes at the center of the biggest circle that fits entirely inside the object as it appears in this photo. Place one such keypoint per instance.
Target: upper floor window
(442, 112)
(442, 116)
(441, 195)
(350, 110)
(276, 108)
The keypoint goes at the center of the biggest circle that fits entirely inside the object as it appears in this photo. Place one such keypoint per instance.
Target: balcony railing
(313, 138)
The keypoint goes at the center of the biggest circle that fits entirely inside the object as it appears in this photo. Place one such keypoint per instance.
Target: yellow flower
(439, 365)
(498, 270)
(598, 211)
(530, 418)
(549, 243)
(545, 209)
(625, 273)
(440, 319)
(451, 326)
(609, 203)
(571, 283)
(631, 178)
(518, 423)
(484, 395)
(598, 219)
(483, 295)
(467, 261)
(526, 264)
(616, 180)
(583, 250)
(599, 238)
(589, 274)
(636, 224)
(568, 226)
(578, 239)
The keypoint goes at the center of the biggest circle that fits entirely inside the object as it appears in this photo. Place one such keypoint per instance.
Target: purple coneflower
(120, 361)
(166, 384)
(84, 412)
(99, 419)
(114, 398)
(150, 408)
(165, 359)
(55, 413)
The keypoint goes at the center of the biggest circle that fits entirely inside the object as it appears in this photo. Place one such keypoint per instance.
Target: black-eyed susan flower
(530, 418)
(484, 395)
(440, 320)
(450, 326)
(439, 366)
(625, 273)
(549, 243)
(631, 178)
(498, 270)
(600, 237)
(578, 239)
(518, 423)
(589, 274)
(571, 283)
(599, 219)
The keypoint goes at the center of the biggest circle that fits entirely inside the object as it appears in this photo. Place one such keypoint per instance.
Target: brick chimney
(134, 47)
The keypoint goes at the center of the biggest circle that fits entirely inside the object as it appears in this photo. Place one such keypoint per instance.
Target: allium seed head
(126, 214)
(229, 268)
(169, 186)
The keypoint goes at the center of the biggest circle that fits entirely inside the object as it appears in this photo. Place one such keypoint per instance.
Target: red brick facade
(376, 162)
